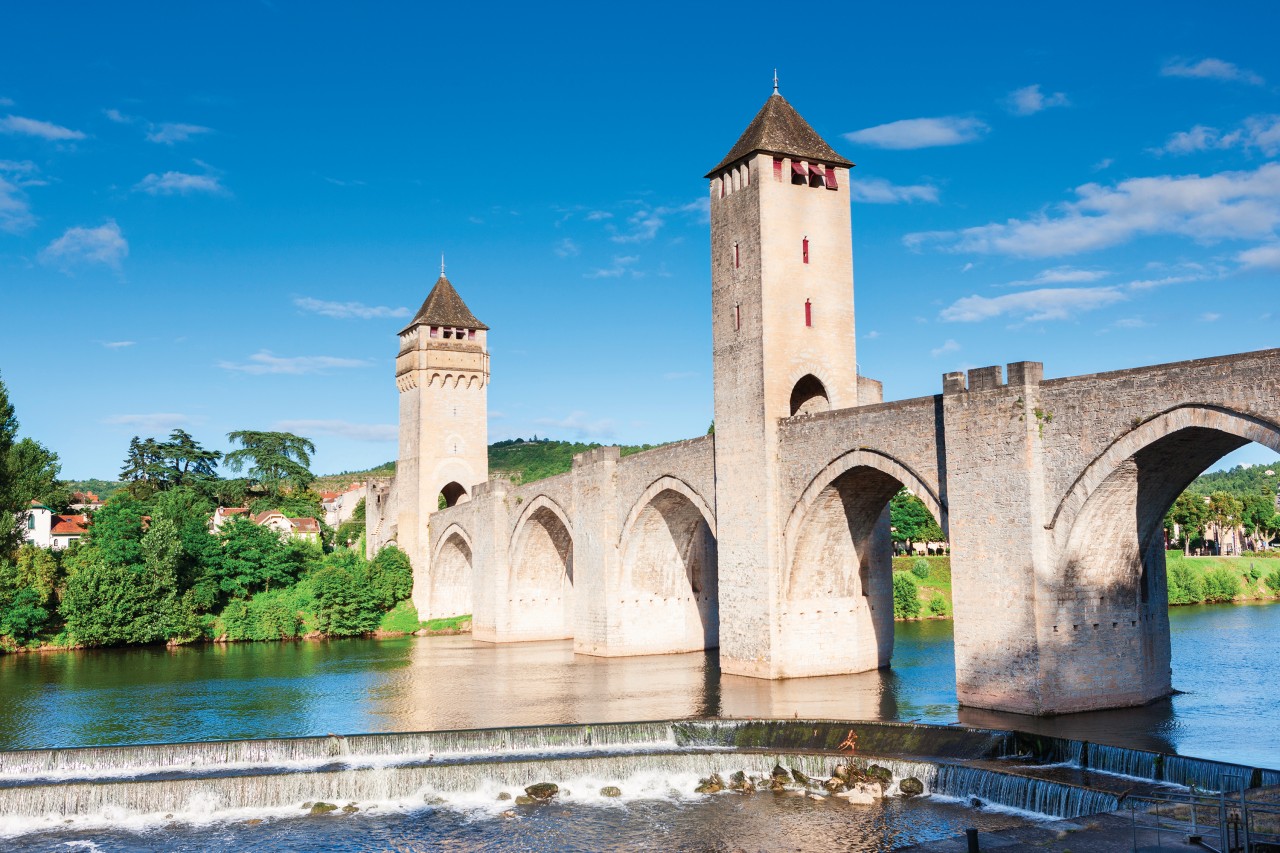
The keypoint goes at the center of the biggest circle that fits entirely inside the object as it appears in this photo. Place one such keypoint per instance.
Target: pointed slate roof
(779, 129)
(444, 307)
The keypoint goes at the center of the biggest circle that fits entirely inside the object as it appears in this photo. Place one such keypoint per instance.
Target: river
(1222, 661)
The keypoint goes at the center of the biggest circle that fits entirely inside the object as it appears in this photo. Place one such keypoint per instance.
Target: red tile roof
(305, 525)
(69, 525)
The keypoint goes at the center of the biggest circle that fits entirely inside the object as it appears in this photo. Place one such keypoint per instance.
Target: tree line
(149, 569)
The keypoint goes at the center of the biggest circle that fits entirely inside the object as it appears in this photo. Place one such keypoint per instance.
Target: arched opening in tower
(451, 579)
(808, 396)
(452, 495)
(840, 581)
(670, 595)
(1131, 549)
(541, 588)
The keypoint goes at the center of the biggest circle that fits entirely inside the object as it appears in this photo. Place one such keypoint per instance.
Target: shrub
(390, 577)
(1273, 581)
(1221, 584)
(938, 605)
(1186, 586)
(920, 568)
(345, 606)
(906, 598)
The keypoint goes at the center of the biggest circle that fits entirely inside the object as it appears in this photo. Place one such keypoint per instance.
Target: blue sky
(218, 216)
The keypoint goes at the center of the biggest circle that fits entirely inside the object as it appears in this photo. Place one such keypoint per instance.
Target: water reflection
(287, 689)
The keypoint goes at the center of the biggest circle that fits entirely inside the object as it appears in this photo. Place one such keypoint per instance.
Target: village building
(46, 529)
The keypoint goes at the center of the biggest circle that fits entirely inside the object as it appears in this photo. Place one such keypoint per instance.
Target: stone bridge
(1053, 494)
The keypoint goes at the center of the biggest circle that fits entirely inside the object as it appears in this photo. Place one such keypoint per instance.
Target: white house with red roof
(45, 528)
(294, 528)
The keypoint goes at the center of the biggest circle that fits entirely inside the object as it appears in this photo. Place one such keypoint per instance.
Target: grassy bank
(403, 619)
(1192, 580)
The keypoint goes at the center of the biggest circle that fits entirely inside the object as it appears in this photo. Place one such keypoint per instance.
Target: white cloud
(102, 245)
(1261, 132)
(1221, 206)
(118, 344)
(1211, 69)
(880, 191)
(6, 102)
(871, 335)
(645, 223)
(117, 116)
(155, 422)
(567, 248)
(1062, 275)
(949, 346)
(168, 133)
(347, 310)
(619, 267)
(580, 426)
(1059, 303)
(17, 125)
(1104, 163)
(1152, 283)
(597, 215)
(1210, 317)
(180, 183)
(1029, 100)
(15, 209)
(1265, 257)
(265, 362)
(341, 429)
(920, 133)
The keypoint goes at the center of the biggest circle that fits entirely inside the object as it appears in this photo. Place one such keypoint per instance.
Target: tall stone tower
(782, 328)
(442, 372)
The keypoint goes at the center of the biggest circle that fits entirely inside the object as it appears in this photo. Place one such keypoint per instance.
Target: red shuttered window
(777, 168)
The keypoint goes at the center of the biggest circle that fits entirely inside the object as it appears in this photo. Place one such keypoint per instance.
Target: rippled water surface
(1222, 659)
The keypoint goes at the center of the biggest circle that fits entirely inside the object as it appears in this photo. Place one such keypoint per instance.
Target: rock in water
(910, 787)
(835, 783)
(856, 797)
(801, 778)
(525, 800)
(509, 813)
(323, 808)
(504, 795)
(542, 790)
(881, 774)
(350, 808)
(779, 772)
(713, 784)
(610, 791)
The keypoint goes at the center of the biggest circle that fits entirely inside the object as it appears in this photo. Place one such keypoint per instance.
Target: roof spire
(442, 264)
(775, 81)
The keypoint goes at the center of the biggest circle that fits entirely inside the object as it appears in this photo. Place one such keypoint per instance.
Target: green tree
(254, 559)
(186, 462)
(390, 577)
(1257, 513)
(1221, 584)
(116, 531)
(906, 597)
(142, 467)
(33, 470)
(11, 503)
(274, 459)
(1190, 514)
(345, 606)
(37, 569)
(108, 603)
(912, 521)
(1224, 513)
(1186, 585)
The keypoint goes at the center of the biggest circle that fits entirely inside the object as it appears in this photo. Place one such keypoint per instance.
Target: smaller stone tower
(442, 372)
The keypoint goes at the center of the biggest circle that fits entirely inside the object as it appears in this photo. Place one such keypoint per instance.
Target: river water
(1222, 660)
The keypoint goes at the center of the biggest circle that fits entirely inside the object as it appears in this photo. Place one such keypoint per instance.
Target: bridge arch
(451, 574)
(1107, 593)
(838, 579)
(540, 584)
(669, 574)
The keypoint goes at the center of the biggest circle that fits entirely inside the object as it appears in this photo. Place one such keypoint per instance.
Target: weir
(1042, 776)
